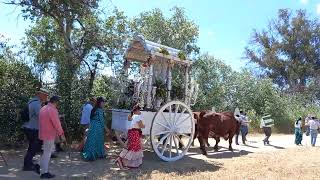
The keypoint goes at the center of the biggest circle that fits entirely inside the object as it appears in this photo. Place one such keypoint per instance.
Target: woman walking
(298, 131)
(131, 157)
(94, 145)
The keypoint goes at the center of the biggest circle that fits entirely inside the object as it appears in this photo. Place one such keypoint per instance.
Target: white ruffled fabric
(131, 158)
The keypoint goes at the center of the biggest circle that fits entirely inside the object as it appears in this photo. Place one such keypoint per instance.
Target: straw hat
(43, 91)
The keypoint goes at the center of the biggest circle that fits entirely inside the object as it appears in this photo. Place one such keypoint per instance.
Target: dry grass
(298, 163)
(282, 160)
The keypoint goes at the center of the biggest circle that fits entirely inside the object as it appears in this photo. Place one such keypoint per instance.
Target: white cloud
(304, 1)
(318, 8)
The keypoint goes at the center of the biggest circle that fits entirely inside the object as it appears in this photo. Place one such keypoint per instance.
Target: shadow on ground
(75, 168)
(222, 153)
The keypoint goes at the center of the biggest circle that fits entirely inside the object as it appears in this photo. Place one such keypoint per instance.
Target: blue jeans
(244, 132)
(313, 134)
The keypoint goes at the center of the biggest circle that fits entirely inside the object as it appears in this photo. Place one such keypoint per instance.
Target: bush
(17, 85)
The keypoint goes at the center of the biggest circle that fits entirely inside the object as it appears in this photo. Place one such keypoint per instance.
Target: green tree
(288, 50)
(74, 23)
(77, 41)
(17, 84)
(211, 75)
(177, 31)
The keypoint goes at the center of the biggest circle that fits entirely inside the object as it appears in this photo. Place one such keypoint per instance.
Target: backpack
(24, 113)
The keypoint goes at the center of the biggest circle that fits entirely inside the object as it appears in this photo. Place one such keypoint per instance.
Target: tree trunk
(91, 80)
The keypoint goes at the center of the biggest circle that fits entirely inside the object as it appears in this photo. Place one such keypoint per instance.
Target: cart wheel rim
(169, 129)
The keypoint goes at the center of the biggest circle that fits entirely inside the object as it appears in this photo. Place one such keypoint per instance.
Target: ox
(196, 118)
(224, 124)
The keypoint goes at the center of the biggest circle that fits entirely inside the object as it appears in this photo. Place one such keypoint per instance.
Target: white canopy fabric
(140, 49)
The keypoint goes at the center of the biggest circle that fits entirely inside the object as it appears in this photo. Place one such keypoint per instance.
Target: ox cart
(168, 122)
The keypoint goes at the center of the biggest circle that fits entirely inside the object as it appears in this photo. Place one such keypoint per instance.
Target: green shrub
(17, 85)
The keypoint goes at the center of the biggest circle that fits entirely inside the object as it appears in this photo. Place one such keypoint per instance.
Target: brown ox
(196, 117)
(222, 124)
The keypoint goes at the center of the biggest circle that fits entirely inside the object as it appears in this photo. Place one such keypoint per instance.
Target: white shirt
(134, 122)
(85, 115)
(297, 125)
(263, 124)
(314, 124)
(244, 120)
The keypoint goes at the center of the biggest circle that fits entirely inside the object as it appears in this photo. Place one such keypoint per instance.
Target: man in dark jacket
(31, 130)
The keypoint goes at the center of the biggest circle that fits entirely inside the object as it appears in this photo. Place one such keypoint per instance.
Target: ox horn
(237, 114)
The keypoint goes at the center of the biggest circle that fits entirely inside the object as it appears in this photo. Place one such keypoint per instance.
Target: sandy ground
(281, 160)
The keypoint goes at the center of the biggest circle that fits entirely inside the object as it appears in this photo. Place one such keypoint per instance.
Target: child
(131, 157)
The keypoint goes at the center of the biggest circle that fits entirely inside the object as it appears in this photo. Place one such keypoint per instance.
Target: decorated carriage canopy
(141, 50)
(153, 86)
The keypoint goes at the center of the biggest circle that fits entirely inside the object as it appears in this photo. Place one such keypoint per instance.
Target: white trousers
(48, 148)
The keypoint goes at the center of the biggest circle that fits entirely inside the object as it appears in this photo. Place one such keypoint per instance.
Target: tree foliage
(288, 50)
(177, 31)
(211, 74)
(17, 84)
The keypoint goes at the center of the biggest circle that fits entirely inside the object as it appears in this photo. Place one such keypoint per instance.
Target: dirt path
(281, 160)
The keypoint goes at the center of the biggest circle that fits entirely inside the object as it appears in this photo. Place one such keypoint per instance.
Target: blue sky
(225, 26)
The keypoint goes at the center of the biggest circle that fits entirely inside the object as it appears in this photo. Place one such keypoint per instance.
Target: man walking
(31, 130)
(314, 126)
(266, 124)
(243, 128)
(49, 129)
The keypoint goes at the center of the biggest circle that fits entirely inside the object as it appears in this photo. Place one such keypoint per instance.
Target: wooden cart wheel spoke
(176, 145)
(165, 145)
(168, 122)
(182, 112)
(170, 146)
(162, 139)
(180, 122)
(163, 125)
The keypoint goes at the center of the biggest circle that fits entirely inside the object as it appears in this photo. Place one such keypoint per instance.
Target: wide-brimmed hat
(43, 91)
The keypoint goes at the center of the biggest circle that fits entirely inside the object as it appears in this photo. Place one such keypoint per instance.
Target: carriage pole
(186, 95)
(150, 84)
(169, 78)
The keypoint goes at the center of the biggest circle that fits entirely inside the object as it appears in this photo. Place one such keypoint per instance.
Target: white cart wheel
(121, 137)
(172, 124)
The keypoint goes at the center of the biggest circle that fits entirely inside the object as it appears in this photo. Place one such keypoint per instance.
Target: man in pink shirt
(49, 129)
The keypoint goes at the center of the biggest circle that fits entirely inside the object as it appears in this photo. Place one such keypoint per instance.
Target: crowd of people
(43, 129)
(311, 128)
